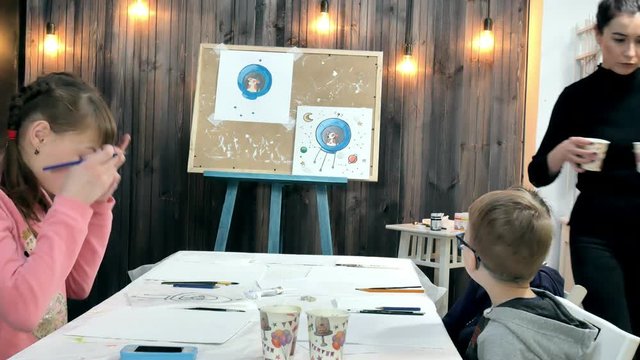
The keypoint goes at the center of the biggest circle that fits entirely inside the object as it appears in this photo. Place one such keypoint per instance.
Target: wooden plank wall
(449, 133)
(9, 40)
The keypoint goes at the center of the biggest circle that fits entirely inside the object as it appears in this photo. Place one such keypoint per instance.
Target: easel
(275, 209)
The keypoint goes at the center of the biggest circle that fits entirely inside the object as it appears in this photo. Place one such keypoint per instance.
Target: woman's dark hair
(68, 104)
(609, 9)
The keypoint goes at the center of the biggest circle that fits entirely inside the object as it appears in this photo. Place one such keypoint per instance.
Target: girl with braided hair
(54, 224)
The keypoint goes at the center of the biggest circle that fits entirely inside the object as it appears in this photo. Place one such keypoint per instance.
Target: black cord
(409, 23)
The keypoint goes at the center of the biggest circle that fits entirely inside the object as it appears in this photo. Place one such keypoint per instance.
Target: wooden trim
(532, 85)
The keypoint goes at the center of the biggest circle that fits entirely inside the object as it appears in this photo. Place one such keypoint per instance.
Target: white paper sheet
(162, 324)
(254, 86)
(244, 274)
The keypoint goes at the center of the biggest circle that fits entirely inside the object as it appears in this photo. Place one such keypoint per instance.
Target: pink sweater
(37, 275)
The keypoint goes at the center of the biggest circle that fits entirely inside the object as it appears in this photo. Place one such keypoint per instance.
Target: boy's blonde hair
(511, 231)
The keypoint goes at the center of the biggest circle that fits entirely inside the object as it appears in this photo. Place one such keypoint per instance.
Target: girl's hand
(96, 178)
(121, 151)
(571, 151)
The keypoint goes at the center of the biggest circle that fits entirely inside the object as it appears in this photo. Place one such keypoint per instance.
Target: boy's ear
(38, 132)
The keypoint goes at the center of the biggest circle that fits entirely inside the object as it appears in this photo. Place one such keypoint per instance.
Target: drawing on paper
(253, 86)
(254, 81)
(333, 141)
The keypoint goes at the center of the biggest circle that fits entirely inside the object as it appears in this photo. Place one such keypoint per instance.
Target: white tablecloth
(310, 281)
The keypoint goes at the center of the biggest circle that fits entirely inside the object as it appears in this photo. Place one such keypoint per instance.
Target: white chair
(576, 295)
(611, 343)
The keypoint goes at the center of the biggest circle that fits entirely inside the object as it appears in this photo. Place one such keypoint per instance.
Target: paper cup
(279, 326)
(636, 151)
(327, 333)
(599, 146)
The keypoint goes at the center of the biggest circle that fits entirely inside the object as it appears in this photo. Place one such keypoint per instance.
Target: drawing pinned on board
(254, 81)
(253, 86)
(331, 141)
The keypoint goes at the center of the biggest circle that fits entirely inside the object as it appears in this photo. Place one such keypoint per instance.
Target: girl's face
(58, 148)
(620, 44)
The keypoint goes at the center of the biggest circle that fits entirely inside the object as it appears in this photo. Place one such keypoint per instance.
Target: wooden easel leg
(323, 220)
(275, 211)
(225, 218)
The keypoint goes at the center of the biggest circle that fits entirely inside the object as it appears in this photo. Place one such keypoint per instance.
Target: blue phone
(145, 352)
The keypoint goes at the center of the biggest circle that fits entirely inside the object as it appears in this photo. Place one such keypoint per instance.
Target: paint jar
(436, 221)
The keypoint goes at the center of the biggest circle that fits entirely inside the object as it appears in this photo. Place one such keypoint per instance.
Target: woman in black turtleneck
(605, 221)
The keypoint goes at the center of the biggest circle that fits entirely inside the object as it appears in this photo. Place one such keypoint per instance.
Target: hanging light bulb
(51, 45)
(486, 40)
(484, 43)
(407, 65)
(323, 25)
(139, 10)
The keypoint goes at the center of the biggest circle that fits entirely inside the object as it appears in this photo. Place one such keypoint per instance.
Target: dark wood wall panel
(449, 133)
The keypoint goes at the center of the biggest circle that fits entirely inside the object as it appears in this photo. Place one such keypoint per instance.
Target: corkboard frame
(347, 78)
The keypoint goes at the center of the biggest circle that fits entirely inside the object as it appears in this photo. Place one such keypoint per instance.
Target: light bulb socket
(408, 49)
(50, 28)
(324, 6)
(487, 24)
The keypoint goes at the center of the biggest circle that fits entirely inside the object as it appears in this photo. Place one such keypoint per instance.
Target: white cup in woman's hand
(598, 146)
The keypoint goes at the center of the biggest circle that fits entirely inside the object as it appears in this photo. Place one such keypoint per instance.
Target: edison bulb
(408, 65)
(139, 10)
(51, 44)
(324, 23)
(486, 41)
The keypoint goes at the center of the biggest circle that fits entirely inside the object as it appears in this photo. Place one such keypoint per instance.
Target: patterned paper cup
(327, 333)
(599, 146)
(279, 325)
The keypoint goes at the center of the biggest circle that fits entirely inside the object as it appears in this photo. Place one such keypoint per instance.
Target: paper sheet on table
(364, 277)
(166, 295)
(162, 324)
(214, 257)
(244, 274)
(396, 330)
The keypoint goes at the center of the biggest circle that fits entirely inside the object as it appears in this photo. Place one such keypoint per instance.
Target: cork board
(321, 77)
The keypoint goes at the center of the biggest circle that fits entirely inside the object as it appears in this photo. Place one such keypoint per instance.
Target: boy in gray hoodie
(507, 240)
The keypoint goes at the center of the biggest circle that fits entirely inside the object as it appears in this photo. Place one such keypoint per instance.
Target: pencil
(200, 282)
(66, 164)
(393, 287)
(62, 165)
(417, 291)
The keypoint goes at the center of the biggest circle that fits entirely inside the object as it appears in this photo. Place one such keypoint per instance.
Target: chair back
(611, 343)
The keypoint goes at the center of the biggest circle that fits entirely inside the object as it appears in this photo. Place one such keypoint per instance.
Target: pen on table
(398, 308)
(200, 282)
(215, 309)
(392, 287)
(196, 285)
(388, 312)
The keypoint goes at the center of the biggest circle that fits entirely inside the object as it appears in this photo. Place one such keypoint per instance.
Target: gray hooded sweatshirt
(539, 328)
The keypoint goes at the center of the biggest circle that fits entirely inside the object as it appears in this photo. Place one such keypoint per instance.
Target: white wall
(557, 70)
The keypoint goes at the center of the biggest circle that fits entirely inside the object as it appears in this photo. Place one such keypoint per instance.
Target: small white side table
(434, 249)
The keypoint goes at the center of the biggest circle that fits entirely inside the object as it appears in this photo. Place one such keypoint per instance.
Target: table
(434, 249)
(310, 281)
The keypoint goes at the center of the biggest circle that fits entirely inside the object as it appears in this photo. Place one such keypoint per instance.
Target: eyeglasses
(462, 243)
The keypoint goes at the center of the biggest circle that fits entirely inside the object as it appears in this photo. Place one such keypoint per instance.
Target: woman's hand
(572, 151)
